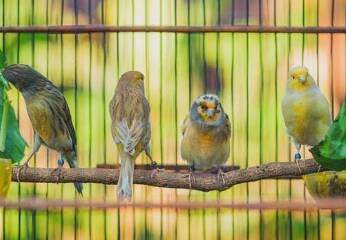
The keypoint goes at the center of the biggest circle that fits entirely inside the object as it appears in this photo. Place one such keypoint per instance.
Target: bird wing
(66, 116)
(130, 121)
(185, 124)
(62, 112)
(51, 119)
(129, 136)
(227, 125)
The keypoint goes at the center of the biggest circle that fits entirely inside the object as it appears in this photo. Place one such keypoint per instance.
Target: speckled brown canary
(48, 112)
(206, 134)
(129, 110)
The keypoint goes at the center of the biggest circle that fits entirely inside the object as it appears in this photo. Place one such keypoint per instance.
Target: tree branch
(170, 179)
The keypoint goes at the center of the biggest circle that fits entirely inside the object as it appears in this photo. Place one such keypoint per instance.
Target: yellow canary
(206, 135)
(129, 111)
(305, 110)
(326, 184)
(49, 114)
(6, 176)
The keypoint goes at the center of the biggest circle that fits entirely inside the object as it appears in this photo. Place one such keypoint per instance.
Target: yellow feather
(305, 110)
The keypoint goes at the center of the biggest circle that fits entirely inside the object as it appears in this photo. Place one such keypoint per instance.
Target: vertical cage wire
(196, 47)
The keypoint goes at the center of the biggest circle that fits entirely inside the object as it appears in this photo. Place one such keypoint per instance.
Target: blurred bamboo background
(247, 70)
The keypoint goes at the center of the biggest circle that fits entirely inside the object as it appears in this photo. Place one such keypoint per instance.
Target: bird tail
(73, 164)
(126, 177)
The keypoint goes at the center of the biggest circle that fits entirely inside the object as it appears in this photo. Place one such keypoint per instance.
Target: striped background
(247, 70)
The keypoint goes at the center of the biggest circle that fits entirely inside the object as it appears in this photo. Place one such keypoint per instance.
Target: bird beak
(302, 79)
(210, 112)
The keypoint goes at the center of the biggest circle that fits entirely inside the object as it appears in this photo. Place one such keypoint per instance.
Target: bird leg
(191, 169)
(59, 168)
(154, 167)
(36, 147)
(297, 156)
(221, 174)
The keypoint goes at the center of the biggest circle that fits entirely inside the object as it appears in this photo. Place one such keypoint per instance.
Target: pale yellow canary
(305, 110)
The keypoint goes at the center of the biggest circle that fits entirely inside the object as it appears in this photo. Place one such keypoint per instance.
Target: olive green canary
(129, 111)
(206, 135)
(305, 110)
(49, 114)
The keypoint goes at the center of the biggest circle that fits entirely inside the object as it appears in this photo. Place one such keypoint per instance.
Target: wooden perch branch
(170, 179)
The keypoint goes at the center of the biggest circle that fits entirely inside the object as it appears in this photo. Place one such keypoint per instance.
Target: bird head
(300, 79)
(132, 79)
(23, 76)
(207, 109)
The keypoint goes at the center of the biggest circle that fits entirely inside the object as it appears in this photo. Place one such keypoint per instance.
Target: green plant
(12, 144)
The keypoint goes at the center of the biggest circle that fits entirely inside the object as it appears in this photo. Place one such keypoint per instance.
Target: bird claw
(192, 179)
(297, 163)
(155, 169)
(24, 167)
(221, 174)
(59, 169)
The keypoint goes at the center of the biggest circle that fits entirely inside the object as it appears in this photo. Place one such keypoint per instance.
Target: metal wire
(94, 28)
(43, 204)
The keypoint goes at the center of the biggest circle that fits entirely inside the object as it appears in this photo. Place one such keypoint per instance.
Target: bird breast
(205, 148)
(306, 116)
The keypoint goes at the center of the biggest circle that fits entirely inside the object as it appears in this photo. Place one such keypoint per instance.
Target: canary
(5, 176)
(206, 135)
(49, 114)
(131, 131)
(326, 184)
(305, 110)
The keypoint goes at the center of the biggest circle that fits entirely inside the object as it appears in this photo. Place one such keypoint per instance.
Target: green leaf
(3, 82)
(2, 60)
(11, 141)
(4, 124)
(331, 152)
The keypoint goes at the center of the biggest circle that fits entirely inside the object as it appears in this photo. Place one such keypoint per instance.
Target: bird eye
(204, 107)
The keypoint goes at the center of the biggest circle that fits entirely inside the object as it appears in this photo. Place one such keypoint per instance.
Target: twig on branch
(168, 179)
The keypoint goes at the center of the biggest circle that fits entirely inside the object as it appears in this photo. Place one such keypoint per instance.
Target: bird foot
(23, 167)
(297, 163)
(297, 157)
(59, 169)
(319, 167)
(155, 169)
(221, 174)
(192, 179)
